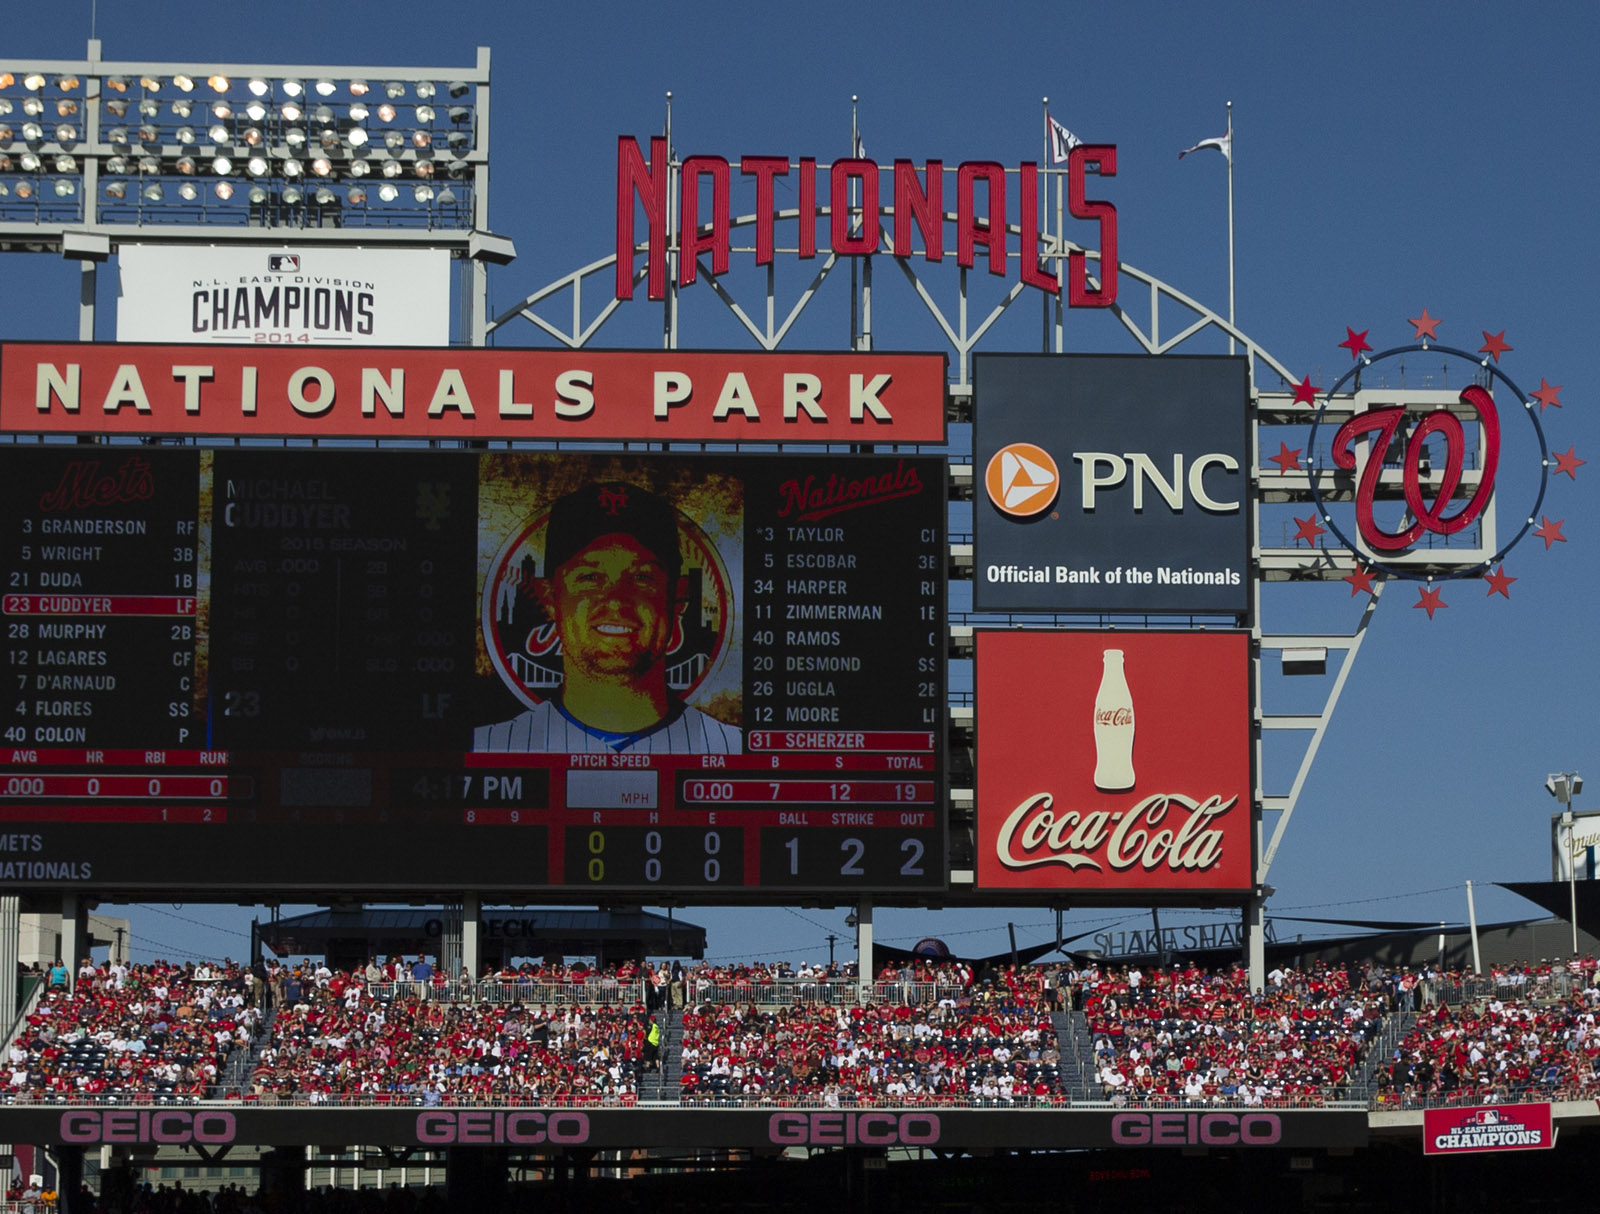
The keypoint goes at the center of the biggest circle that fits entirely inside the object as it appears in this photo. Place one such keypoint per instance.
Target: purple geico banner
(596, 1126)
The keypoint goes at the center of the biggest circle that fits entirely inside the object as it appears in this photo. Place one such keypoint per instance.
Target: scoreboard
(258, 668)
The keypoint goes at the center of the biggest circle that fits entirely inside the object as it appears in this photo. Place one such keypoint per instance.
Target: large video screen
(518, 671)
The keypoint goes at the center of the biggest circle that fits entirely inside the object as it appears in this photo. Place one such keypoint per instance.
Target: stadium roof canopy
(503, 933)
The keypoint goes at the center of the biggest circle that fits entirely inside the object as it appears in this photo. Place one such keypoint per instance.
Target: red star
(1568, 463)
(1309, 530)
(1425, 325)
(1547, 394)
(1549, 532)
(1499, 583)
(1357, 342)
(1305, 393)
(1286, 459)
(1495, 345)
(1360, 579)
(1430, 600)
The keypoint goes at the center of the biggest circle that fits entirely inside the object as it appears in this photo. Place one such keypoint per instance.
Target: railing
(410, 1100)
(777, 993)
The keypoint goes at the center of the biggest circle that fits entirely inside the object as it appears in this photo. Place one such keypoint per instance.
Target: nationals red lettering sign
(380, 393)
(1114, 761)
(852, 190)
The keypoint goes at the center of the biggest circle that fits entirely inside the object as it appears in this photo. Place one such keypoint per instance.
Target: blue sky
(1388, 158)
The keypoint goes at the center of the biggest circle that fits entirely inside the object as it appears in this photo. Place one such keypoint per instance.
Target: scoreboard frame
(184, 796)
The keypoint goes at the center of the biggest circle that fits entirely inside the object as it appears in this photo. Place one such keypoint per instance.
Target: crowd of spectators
(990, 1043)
(1187, 1034)
(161, 1029)
(1499, 1050)
(345, 1039)
(930, 1031)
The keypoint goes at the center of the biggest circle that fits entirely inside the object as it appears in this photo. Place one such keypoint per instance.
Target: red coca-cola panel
(1114, 761)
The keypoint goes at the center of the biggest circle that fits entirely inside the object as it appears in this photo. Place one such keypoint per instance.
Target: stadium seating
(764, 1033)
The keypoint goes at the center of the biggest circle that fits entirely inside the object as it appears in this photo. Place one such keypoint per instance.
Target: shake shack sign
(275, 296)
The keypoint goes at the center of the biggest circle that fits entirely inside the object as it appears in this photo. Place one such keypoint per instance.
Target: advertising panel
(1111, 483)
(595, 1125)
(1574, 847)
(383, 393)
(1114, 761)
(1500, 1127)
(291, 295)
(719, 673)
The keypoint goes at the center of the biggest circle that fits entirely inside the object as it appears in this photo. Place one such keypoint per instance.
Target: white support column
(471, 912)
(74, 935)
(10, 949)
(864, 974)
(1255, 932)
(88, 279)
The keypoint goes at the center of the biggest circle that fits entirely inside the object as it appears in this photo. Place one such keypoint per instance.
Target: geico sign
(851, 1129)
(1106, 470)
(485, 1128)
(164, 1126)
(1196, 1129)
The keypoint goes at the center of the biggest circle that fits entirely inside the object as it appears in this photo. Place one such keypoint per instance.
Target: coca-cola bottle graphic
(1113, 727)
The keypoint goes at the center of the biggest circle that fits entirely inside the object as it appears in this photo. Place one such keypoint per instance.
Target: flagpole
(1044, 336)
(1230, 226)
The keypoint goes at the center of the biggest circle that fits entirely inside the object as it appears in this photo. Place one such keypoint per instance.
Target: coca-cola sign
(1111, 761)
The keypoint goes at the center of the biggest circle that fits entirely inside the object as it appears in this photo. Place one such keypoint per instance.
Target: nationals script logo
(817, 497)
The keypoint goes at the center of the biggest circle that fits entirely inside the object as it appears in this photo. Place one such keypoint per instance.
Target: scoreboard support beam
(10, 947)
(864, 974)
(74, 936)
(1255, 934)
(471, 957)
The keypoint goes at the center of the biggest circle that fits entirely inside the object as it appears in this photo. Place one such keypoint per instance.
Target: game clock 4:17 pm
(258, 658)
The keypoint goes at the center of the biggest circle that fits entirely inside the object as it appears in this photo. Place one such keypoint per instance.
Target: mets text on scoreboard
(370, 392)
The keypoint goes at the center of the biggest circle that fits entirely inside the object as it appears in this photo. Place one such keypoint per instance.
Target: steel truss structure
(1165, 320)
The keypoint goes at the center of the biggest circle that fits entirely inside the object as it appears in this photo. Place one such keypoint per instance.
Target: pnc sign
(858, 192)
(1111, 483)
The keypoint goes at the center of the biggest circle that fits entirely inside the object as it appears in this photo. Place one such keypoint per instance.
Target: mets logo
(520, 636)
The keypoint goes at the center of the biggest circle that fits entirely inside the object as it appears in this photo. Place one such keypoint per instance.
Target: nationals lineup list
(256, 659)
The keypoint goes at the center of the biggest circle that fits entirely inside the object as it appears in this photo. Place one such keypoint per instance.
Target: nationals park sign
(383, 393)
(854, 228)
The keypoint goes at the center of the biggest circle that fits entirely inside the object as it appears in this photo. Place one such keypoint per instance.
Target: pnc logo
(1022, 480)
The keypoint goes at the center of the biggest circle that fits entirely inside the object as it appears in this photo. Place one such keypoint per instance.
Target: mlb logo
(283, 263)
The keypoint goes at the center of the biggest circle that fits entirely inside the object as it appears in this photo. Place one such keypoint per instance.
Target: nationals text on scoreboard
(239, 668)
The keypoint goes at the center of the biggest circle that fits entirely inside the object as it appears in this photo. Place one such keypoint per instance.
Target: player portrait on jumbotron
(608, 604)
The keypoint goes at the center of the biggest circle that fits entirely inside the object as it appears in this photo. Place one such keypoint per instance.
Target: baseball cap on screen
(608, 508)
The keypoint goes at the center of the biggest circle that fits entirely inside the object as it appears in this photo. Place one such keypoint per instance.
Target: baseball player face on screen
(613, 592)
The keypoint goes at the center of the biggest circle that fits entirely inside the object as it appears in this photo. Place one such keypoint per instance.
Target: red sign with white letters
(380, 393)
(1114, 760)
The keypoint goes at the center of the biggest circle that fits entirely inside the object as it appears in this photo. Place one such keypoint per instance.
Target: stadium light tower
(1563, 786)
(95, 153)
